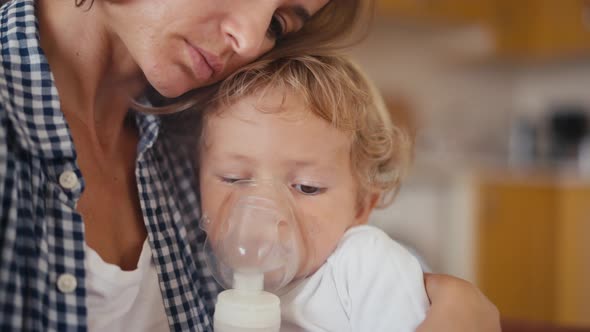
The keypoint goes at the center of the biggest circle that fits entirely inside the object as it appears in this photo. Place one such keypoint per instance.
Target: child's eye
(229, 179)
(276, 29)
(308, 190)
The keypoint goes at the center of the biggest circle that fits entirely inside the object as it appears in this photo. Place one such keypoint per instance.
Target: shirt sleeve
(380, 284)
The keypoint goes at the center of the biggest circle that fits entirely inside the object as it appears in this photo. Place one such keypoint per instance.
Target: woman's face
(185, 44)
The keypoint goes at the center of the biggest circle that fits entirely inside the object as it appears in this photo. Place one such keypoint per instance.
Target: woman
(98, 220)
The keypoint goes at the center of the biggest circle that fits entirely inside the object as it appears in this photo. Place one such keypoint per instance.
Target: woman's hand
(457, 306)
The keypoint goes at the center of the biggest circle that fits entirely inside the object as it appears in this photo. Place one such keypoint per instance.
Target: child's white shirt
(370, 283)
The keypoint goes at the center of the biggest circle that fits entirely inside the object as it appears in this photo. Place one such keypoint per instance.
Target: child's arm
(380, 283)
(458, 306)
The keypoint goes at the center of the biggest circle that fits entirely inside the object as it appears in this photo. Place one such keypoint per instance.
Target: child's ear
(365, 207)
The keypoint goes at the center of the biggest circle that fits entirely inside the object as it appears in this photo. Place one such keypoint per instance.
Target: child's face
(278, 139)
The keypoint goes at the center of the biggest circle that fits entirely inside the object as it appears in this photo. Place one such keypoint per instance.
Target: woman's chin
(170, 90)
(172, 84)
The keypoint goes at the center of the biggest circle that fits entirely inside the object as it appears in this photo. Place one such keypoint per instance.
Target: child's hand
(457, 306)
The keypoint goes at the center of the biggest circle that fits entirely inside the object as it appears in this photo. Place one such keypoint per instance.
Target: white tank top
(120, 300)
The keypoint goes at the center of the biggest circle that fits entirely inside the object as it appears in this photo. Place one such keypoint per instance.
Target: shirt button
(68, 180)
(66, 283)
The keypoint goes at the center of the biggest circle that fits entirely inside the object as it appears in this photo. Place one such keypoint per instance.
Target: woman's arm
(457, 306)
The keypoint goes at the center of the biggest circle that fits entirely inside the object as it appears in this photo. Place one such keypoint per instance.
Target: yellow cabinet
(523, 29)
(573, 257)
(516, 247)
(533, 248)
(437, 11)
(542, 28)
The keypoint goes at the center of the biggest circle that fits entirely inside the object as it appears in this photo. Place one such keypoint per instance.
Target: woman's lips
(213, 61)
(204, 64)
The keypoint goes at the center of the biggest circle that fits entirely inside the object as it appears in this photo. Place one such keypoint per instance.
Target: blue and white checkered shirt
(42, 277)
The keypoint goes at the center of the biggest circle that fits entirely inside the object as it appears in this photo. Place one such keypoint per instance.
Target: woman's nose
(245, 28)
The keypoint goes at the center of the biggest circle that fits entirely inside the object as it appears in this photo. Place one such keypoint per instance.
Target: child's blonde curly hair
(336, 90)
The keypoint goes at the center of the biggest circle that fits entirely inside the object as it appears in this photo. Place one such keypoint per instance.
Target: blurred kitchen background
(499, 94)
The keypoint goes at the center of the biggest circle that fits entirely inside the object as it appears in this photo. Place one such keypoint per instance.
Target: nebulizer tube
(254, 247)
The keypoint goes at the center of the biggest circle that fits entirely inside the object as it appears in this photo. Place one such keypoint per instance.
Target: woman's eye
(308, 190)
(276, 30)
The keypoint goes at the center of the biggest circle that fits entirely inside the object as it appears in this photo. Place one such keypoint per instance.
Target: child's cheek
(319, 241)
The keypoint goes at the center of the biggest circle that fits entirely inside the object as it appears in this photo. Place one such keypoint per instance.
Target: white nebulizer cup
(255, 246)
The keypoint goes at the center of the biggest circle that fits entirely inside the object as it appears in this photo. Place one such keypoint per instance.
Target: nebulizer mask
(255, 247)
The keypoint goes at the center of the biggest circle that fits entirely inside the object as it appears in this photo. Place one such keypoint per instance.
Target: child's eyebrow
(323, 167)
(240, 157)
(302, 163)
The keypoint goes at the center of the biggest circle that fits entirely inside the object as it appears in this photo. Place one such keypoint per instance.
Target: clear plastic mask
(255, 241)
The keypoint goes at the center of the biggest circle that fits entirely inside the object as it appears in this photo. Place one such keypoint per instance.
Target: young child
(317, 126)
